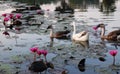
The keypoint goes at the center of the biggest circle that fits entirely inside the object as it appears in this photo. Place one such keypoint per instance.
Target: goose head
(100, 25)
(49, 27)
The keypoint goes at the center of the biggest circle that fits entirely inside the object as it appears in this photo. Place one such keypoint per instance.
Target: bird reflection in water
(51, 42)
(84, 44)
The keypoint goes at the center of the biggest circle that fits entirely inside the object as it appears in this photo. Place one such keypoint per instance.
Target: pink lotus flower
(39, 52)
(113, 52)
(44, 52)
(34, 49)
(18, 16)
(6, 19)
(95, 28)
(11, 15)
(4, 14)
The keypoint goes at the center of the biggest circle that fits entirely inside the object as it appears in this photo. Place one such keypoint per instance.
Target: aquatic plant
(18, 16)
(11, 19)
(5, 68)
(6, 19)
(11, 15)
(18, 59)
(39, 52)
(44, 52)
(4, 15)
(34, 50)
(40, 66)
(113, 53)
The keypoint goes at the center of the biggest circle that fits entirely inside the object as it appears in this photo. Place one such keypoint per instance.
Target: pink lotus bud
(39, 52)
(18, 16)
(11, 15)
(42, 51)
(6, 19)
(34, 49)
(4, 14)
(113, 52)
(45, 52)
(95, 27)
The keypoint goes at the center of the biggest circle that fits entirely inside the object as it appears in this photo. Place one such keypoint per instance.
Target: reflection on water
(83, 5)
(36, 1)
(105, 6)
(84, 44)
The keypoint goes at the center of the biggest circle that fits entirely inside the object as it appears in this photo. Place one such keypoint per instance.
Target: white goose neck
(51, 32)
(102, 32)
(74, 28)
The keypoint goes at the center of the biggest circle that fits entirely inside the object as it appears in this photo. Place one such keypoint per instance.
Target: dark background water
(106, 6)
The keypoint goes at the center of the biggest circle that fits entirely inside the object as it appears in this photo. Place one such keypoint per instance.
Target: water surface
(65, 54)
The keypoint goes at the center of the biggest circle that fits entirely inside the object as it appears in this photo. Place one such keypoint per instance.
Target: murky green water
(65, 54)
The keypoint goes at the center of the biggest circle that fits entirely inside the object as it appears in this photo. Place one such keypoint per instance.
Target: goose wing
(59, 33)
(116, 32)
(113, 35)
(80, 34)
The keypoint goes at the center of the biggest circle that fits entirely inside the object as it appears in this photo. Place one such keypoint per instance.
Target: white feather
(81, 36)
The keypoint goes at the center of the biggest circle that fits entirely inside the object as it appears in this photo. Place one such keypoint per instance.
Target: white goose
(81, 36)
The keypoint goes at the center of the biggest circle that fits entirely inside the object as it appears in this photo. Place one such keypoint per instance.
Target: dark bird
(40, 66)
(112, 36)
(59, 34)
(81, 65)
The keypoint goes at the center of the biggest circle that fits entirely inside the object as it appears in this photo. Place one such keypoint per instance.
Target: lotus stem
(113, 60)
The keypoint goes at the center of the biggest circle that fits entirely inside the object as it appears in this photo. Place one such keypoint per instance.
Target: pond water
(15, 54)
